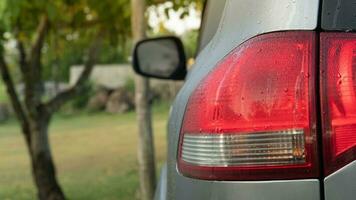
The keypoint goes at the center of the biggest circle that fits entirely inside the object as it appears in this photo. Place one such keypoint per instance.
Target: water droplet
(339, 75)
(339, 82)
(286, 90)
(242, 98)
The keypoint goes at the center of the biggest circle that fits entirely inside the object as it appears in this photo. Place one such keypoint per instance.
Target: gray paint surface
(161, 190)
(341, 185)
(247, 190)
(241, 20)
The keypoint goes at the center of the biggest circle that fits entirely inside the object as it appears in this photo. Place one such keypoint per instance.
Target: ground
(95, 155)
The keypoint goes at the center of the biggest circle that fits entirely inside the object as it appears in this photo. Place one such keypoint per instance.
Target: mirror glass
(158, 57)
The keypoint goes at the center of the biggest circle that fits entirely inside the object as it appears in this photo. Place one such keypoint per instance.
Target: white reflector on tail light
(253, 116)
(265, 148)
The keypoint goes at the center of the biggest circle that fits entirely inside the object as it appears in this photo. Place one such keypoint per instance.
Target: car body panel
(161, 190)
(256, 17)
(247, 190)
(341, 185)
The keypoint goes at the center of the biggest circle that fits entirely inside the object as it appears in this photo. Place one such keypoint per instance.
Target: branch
(10, 86)
(23, 57)
(21, 49)
(56, 102)
(32, 76)
(82, 25)
(41, 32)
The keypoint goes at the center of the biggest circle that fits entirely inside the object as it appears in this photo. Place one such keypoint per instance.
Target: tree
(31, 24)
(146, 158)
(44, 31)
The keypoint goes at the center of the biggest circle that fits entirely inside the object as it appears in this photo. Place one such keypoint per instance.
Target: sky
(156, 15)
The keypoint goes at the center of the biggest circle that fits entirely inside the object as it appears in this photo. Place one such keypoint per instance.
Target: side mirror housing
(162, 58)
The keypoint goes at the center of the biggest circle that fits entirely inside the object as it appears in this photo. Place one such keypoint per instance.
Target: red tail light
(253, 116)
(338, 83)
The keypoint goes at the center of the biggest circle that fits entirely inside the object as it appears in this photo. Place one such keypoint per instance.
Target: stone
(99, 100)
(120, 101)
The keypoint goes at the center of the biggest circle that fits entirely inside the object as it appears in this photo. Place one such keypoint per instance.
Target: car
(269, 109)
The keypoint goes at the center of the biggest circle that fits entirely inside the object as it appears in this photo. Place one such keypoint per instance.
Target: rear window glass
(339, 15)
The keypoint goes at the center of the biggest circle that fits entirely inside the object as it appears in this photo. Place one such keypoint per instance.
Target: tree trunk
(146, 158)
(43, 168)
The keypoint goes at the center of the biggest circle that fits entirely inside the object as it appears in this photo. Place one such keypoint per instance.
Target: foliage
(190, 37)
(130, 85)
(80, 101)
(73, 24)
(190, 40)
(69, 17)
(180, 4)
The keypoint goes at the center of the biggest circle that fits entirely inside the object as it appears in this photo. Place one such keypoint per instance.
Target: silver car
(269, 109)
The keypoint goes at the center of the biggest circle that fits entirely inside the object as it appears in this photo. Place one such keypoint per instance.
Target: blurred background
(45, 48)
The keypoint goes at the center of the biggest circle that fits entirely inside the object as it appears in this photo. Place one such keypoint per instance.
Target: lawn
(95, 156)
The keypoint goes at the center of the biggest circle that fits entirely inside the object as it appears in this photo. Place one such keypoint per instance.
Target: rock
(4, 112)
(120, 101)
(98, 101)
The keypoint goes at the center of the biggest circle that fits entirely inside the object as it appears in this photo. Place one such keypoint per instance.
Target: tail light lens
(338, 83)
(253, 116)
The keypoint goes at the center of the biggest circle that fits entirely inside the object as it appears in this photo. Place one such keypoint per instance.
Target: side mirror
(162, 58)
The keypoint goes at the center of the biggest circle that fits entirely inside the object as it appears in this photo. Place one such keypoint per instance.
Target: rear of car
(269, 109)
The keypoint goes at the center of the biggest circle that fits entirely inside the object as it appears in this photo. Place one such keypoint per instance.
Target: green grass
(95, 156)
